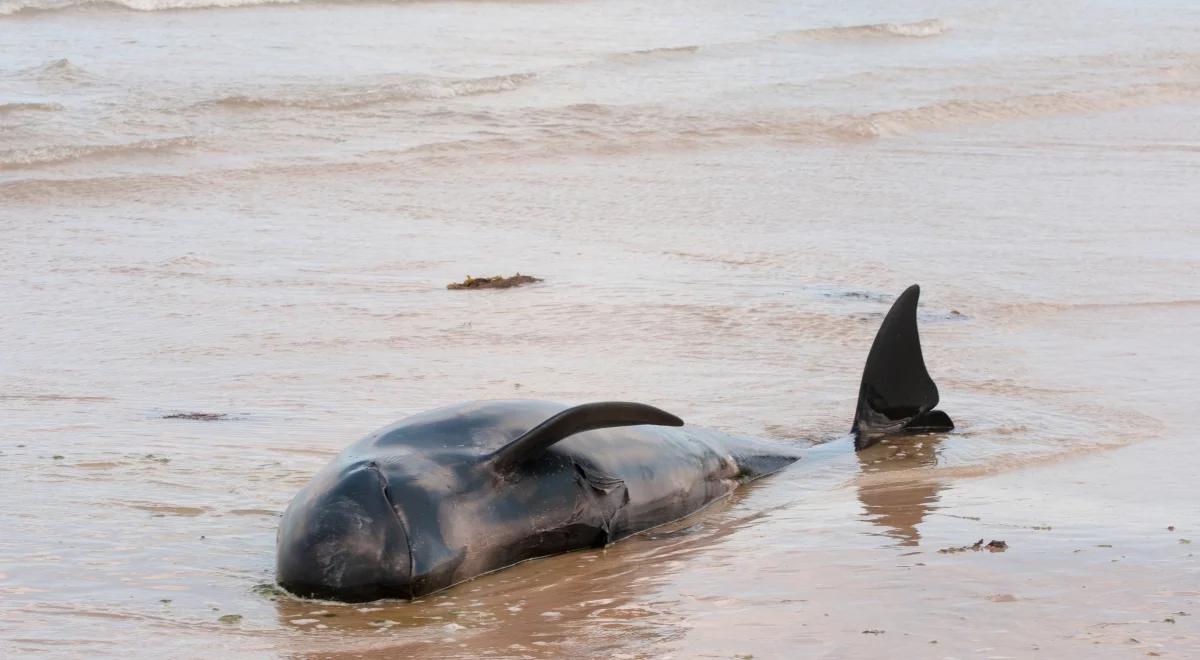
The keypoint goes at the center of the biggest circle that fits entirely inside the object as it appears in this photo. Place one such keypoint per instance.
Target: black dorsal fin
(897, 393)
(587, 417)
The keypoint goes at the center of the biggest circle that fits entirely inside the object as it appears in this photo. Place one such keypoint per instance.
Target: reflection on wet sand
(900, 506)
(588, 600)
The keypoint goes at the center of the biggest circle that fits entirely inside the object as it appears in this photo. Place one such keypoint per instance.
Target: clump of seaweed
(268, 590)
(497, 282)
(992, 546)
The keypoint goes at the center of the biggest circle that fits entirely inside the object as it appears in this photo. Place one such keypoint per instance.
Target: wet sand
(719, 231)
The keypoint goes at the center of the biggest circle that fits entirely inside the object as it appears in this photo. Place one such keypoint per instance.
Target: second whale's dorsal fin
(586, 417)
(897, 393)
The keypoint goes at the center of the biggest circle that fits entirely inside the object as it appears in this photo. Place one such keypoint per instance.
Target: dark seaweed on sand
(992, 546)
(198, 416)
(497, 282)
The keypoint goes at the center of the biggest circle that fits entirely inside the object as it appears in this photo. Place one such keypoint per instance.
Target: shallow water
(254, 211)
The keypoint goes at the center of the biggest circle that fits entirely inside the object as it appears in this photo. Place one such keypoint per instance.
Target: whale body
(457, 492)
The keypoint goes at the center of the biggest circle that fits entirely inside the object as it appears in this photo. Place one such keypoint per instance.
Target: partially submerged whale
(451, 494)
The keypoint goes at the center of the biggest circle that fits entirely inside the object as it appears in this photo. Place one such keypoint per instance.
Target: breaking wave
(930, 27)
(15, 159)
(9, 7)
(421, 89)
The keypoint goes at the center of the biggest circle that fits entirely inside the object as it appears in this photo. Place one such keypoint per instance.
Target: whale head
(341, 538)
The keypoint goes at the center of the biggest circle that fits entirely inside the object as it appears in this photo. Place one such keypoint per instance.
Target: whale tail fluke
(897, 395)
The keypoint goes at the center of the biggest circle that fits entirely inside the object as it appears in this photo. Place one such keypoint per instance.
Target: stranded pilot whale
(451, 494)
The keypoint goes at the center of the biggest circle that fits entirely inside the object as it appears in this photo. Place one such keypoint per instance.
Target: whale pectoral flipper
(897, 393)
(586, 417)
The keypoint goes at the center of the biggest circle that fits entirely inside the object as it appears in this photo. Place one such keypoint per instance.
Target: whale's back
(631, 478)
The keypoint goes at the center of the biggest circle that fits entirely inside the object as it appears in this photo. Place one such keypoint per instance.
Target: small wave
(422, 89)
(14, 159)
(6, 108)
(1030, 457)
(931, 27)
(948, 114)
(33, 189)
(1041, 439)
(665, 52)
(60, 70)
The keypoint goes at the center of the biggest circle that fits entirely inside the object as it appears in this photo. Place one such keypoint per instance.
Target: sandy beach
(251, 212)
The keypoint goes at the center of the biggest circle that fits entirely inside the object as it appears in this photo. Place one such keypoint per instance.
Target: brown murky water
(254, 213)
